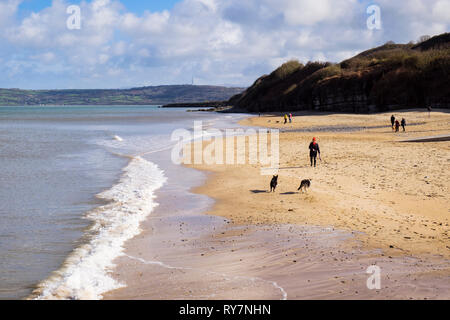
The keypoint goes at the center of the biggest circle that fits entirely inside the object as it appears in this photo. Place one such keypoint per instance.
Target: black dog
(304, 185)
(273, 183)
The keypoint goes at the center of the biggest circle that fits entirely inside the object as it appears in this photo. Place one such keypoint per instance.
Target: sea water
(75, 184)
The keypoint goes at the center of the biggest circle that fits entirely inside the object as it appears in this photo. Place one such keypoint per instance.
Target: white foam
(133, 145)
(86, 272)
(117, 138)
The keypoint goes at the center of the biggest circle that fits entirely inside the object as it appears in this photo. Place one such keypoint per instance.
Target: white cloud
(441, 11)
(306, 12)
(217, 41)
(8, 9)
(103, 58)
(46, 57)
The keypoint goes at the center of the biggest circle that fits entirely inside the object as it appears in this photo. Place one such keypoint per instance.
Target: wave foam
(118, 138)
(85, 274)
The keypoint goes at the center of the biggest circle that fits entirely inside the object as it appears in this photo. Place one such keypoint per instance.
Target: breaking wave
(86, 272)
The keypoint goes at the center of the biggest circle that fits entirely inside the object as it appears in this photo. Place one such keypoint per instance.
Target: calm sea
(75, 183)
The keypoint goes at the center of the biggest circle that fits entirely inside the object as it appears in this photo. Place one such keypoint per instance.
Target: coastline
(257, 251)
(121, 204)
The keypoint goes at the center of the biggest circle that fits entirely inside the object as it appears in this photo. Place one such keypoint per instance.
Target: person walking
(397, 125)
(392, 122)
(403, 124)
(285, 118)
(290, 117)
(313, 151)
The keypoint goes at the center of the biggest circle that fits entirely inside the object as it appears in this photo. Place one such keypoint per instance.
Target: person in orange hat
(313, 151)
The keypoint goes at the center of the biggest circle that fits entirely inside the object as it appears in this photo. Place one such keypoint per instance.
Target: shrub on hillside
(287, 69)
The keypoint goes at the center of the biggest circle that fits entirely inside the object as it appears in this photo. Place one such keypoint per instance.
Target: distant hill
(391, 76)
(135, 96)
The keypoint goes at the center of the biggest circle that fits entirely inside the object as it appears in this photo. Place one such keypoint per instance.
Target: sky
(131, 43)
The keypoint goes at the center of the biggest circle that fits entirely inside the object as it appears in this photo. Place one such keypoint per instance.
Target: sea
(76, 182)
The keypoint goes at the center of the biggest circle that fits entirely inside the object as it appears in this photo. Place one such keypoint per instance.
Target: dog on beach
(304, 185)
(273, 183)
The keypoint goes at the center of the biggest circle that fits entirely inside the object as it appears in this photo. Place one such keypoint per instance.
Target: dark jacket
(313, 149)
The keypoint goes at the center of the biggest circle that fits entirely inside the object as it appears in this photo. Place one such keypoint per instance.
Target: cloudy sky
(127, 43)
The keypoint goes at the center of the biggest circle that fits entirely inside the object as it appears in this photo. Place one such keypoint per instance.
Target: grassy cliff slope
(391, 76)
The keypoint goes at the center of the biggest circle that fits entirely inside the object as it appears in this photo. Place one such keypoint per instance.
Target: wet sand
(373, 200)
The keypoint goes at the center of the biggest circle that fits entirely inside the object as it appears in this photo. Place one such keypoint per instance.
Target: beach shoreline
(263, 229)
(142, 152)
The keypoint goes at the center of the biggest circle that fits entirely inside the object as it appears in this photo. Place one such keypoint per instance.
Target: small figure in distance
(397, 125)
(313, 151)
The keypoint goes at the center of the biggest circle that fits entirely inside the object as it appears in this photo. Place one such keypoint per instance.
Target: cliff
(392, 76)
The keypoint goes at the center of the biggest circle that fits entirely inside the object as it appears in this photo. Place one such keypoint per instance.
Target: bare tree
(423, 38)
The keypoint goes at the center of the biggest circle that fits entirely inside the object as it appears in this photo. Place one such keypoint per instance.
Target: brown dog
(304, 185)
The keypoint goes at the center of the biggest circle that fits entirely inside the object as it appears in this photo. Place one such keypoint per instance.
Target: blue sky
(136, 6)
(128, 43)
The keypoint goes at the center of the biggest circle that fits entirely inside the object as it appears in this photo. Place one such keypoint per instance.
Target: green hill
(391, 76)
(135, 96)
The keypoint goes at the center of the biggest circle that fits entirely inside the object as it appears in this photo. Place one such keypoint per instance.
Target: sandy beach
(394, 193)
(374, 200)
